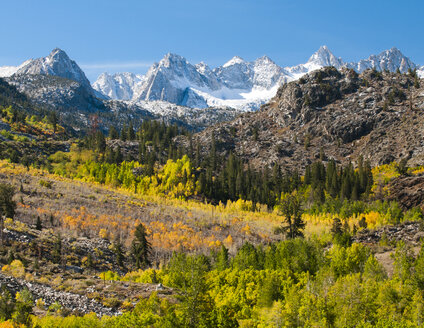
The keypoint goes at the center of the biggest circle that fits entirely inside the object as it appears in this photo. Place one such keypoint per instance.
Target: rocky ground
(409, 232)
(77, 289)
(78, 303)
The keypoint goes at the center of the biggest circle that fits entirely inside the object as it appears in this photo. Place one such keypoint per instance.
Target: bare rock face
(408, 191)
(338, 113)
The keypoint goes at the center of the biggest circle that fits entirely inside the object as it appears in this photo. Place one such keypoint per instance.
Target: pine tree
(141, 248)
(291, 209)
(336, 227)
(213, 159)
(100, 142)
(118, 249)
(131, 132)
(416, 82)
(38, 225)
(53, 120)
(7, 304)
(124, 136)
(118, 158)
(222, 259)
(57, 249)
(7, 205)
(197, 158)
(113, 133)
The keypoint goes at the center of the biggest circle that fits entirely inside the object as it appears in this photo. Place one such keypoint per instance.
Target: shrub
(46, 184)
(16, 269)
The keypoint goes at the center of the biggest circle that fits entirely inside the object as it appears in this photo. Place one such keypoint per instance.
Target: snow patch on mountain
(118, 86)
(6, 71)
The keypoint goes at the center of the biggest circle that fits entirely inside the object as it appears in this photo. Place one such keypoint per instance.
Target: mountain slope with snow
(390, 60)
(118, 86)
(57, 63)
(238, 83)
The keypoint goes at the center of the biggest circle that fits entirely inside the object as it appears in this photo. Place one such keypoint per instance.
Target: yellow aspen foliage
(103, 233)
(228, 241)
(16, 269)
(246, 229)
(10, 324)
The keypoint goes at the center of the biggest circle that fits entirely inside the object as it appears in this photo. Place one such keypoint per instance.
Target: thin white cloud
(116, 65)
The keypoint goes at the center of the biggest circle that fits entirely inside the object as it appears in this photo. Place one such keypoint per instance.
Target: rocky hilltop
(330, 113)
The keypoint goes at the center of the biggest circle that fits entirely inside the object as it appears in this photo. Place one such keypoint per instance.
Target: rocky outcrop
(74, 302)
(408, 232)
(407, 191)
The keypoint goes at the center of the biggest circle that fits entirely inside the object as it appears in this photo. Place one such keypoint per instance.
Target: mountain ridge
(238, 83)
(221, 93)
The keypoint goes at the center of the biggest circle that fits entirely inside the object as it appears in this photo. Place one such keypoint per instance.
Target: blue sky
(129, 35)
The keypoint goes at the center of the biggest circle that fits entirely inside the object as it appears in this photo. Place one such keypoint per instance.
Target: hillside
(330, 114)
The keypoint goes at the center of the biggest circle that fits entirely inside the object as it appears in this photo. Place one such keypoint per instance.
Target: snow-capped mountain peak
(324, 57)
(264, 60)
(171, 59)
(57, 63)
(391, 60)
(233, 61)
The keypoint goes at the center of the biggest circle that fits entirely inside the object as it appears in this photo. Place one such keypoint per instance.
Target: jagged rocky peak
(172, 59)
(390, 60)
(202, 68)
(57, 63)
(324, 57)
(265, 60)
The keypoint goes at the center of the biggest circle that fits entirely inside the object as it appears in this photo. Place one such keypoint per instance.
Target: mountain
(328, 114)
(173, 89)
(390, 60)
(57, 63)
(238, 83)
(171, 78)
(57, 83)
(323, 57)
